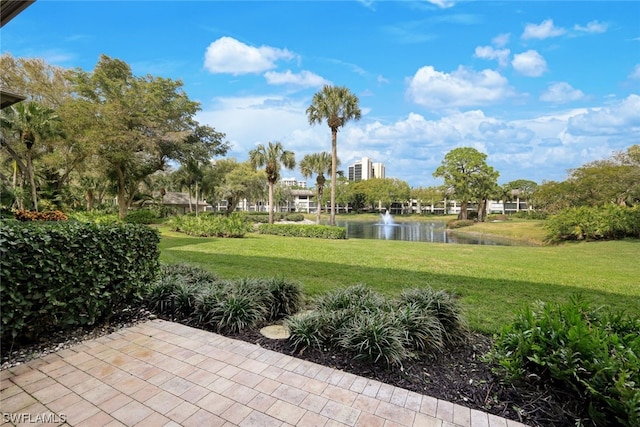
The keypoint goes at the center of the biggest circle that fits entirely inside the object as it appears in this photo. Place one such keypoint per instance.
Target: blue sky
(540, 87)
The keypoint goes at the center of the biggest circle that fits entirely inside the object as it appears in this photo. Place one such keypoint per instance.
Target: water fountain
(387, 219)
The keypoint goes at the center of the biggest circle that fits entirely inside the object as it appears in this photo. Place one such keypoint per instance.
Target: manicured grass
(525, 230)
(493, 281)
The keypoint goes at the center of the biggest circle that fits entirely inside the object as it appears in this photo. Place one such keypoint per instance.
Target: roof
(9, 9)
(9, 98)
(182, 199)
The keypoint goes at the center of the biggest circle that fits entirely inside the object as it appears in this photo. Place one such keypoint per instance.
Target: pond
(414, 231)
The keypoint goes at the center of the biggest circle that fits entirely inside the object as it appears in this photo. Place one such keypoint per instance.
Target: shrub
(22, 215)
(286, 298)
(306, 330)
(422, 331)
(594, 223)
(593, 356)
(141, 216)
(459, 223)
(375, 337)
(58, 274)
(233, 225)
(241, 305)
(364, 323)
(295, 217)
(96, 217)
(303, 230)
(440, 304)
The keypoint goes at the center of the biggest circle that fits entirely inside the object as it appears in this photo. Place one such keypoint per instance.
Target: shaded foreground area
(459, 376)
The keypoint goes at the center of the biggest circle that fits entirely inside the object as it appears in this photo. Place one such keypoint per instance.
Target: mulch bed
(459, 375)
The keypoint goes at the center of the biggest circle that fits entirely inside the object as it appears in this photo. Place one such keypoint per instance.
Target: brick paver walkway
(160, 373)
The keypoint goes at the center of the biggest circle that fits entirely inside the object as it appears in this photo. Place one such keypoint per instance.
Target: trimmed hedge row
(62, 274)
(301, 230)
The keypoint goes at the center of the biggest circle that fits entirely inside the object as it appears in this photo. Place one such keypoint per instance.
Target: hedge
(63, 274)
(301, 230)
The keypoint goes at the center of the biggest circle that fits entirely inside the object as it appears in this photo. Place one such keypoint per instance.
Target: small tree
(318, 163)
(272, 157)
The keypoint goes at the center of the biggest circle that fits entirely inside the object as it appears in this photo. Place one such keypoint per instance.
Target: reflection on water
(411, 231)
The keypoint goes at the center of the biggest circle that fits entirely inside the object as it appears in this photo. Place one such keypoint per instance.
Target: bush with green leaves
(590, 355)
(234, 225)
(459, 223)
(594, 223)
(67, 273)
(286, 297)
(303, 230)
(142, 216)
(96, 217)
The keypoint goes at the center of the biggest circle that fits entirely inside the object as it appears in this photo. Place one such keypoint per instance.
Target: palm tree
(272, 157)
(29, 121)
(337, 105)
(317, 163)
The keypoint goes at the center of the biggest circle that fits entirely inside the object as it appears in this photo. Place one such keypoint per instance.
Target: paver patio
(160, 373)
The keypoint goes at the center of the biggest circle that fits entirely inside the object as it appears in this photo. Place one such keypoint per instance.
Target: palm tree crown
(272, 157)
(337, 105)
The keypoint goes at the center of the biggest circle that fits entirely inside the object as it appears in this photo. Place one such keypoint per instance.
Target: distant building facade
(366, 169)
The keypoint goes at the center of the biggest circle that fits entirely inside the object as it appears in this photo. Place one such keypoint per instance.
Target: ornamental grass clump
(443, 306)
(376, 337)
(286, 297)
(372, 328)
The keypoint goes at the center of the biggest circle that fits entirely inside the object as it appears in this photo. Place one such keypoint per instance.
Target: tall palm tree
(317, 163)
(272, 157)
(337, 105)
(29, 121)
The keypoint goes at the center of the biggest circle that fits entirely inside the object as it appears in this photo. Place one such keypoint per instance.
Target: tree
(384, 191)
(317, 163)
(466, 172)
(29, 122)
(427, 195)
(235, 181)
(272, 157)
(337, 105)
(140, 124)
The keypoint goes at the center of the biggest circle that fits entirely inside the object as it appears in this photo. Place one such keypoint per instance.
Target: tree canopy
(467, 174)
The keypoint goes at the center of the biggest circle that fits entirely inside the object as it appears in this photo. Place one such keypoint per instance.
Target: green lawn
(493, 281)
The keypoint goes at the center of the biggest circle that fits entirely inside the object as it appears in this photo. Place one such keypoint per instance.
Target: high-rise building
(365, 169)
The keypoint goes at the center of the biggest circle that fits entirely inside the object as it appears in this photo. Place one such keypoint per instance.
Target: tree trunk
(334, 161)
(271, 202)
(32, 181)
(318, 210)
(122, 199)
(463, 210)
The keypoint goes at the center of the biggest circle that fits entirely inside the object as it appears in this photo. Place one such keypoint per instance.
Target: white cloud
(617, 119)
(412, 147)
(381, 79)
(304, 78)
(635, 74)
(228, 55)
(501, 40)
(443, 4)
(462, 88)
(529, 63)
(591, 27)
(488, 52)
(544, 30)
(561, 93)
